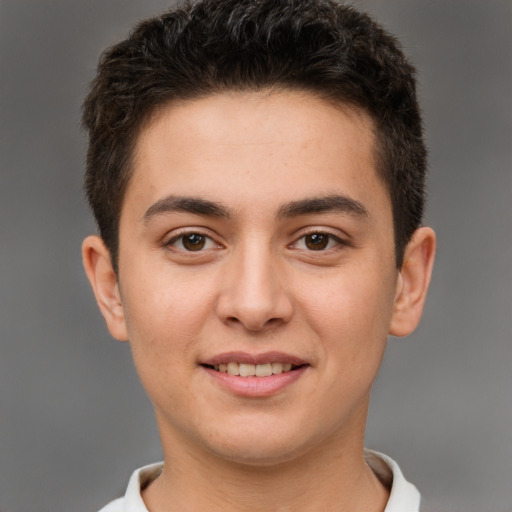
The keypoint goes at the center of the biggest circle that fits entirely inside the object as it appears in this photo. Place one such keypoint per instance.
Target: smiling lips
(255, 375)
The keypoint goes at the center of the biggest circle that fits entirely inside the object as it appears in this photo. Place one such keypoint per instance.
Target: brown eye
(188, 242)
(317, 241)
(193, 242)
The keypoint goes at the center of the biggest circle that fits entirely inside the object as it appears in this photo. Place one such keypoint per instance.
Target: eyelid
(176, 234)
(341, 240)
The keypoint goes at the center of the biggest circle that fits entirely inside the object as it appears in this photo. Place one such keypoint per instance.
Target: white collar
(140, 479)
(404, 497)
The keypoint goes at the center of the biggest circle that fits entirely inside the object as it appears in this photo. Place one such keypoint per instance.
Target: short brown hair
(210, 46)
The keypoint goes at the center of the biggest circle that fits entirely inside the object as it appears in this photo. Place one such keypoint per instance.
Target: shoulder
(114, 506)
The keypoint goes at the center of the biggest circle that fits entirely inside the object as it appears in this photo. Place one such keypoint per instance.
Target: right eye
(191, 242)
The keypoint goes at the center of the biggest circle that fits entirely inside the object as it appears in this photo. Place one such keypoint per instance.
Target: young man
(256, 170)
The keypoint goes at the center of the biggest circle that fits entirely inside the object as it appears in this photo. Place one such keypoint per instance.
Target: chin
(258, 456)
(265, 447)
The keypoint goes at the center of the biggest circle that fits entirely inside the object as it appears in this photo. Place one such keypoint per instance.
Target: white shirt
(404, 497)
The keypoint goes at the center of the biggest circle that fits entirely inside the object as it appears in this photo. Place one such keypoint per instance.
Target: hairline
(343, 105)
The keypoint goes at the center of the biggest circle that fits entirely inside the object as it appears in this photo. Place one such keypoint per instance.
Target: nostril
(254, 324)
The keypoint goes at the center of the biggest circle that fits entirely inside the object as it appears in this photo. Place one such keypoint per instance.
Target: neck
(331, 479)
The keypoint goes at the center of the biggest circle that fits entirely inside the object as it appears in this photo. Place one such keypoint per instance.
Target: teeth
(247, 370)
(253, 370)
(233, 369)
(263, 370)
(277, 368)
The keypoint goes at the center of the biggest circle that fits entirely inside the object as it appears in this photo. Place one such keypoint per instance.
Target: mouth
(255, 375)
(253, 370)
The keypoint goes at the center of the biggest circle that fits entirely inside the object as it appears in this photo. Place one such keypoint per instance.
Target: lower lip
(256, 386)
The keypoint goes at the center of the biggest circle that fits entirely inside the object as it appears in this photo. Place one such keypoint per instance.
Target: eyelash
(184, 234)
(333, 241)
(208, 240)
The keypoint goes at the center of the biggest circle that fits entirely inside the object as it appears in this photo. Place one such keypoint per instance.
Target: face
(256, 238)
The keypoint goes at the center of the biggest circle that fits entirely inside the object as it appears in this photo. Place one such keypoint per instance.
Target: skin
(258, 284)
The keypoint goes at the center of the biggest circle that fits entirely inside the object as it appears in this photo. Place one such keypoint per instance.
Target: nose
(254, 291)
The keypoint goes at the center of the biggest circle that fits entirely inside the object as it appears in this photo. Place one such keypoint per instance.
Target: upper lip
(247, 358)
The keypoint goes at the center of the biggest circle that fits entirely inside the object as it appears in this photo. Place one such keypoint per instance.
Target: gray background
(74, 422)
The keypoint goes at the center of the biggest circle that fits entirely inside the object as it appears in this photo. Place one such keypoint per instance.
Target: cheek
(351, 313)
(164, 319)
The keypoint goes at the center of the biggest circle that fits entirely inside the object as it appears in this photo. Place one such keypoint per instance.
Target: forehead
(304, 114)
(260, 145)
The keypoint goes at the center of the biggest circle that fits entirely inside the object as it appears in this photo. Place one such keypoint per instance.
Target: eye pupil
(194, 242)
(317, 241)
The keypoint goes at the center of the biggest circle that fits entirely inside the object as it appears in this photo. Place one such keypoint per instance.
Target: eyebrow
(195, 205)
(308, 206)
(331, 203)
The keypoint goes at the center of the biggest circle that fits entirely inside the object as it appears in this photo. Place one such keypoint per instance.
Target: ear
(413, 281)
(103, 279)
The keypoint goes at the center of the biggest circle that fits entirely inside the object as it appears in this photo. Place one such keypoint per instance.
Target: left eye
(317, 242)
(192, 242)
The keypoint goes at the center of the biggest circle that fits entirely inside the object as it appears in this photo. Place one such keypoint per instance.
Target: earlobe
(413, 282)
(103, 279)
